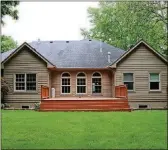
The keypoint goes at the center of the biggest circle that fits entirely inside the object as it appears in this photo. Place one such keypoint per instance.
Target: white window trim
(99, 85)
(81, 85)
(150, 81)
(133, 90)
(15, 83)
(25, 75)
(65, 85)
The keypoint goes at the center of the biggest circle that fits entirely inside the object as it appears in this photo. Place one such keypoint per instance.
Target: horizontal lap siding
(151, 104)
(141, 62)
(106, 83)
(25, 62)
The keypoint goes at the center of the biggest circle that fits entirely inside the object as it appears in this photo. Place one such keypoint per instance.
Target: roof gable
(14, 52)
(141, 42)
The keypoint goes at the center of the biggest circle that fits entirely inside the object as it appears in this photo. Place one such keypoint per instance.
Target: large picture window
(81, 83)
(25, 82)
(129, 81)
(154, 81)
(66, 85)
(96, 83)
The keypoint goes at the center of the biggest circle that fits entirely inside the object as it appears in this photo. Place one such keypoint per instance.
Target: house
(86, 70)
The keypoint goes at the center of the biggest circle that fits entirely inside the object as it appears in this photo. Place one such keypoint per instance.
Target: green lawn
(23, 129)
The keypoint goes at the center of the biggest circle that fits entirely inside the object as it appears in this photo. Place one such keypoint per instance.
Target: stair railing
(121, 91)
(44, 92)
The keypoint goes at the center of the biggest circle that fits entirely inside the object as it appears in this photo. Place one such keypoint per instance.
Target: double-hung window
(96, 83)
(25, 82)
(154, 82)
(81, 83)
(66, 85)
(129, 81)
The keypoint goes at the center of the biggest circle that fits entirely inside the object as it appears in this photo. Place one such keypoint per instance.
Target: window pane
(128, 76)
(154, 77)
(20, 82)
(65, 81)
(65, 89)
(81, 81)
(96, 89)
(96, 74)
(31, 78)
(31, 86)
(81, 75)
(154, 85)
(20, 77)
(81, 89)
(65, 75)
(20, 86)
(96, 81)
(129, 85)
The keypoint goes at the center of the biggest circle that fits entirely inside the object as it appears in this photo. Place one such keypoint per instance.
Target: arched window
(81, 83)
(96, 82)
(65, 83)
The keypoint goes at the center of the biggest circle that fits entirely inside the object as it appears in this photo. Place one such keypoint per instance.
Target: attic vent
(67, 41)
(109, 57)
(51, 41)
(90, 40)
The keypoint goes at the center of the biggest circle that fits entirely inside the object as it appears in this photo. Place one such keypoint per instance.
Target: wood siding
(106, 83)
(25, 61)
(141, 62)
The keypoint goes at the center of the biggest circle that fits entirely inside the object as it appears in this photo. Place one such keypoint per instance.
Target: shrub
(2, 106)
(4, 89)
(37, 106)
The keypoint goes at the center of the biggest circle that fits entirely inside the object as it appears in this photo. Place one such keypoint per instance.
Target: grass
(23, 129)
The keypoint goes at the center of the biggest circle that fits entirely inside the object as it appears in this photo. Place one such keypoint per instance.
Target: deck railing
(121, 91)
(44, 92)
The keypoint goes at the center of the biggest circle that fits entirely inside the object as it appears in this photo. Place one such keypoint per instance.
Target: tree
(7, 43)
(122, 24)
(9, 8)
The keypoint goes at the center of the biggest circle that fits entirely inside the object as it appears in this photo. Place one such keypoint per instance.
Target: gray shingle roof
(75, 54)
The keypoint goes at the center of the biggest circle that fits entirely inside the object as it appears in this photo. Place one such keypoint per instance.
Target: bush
(37, 106)
(2, 106)
(4, 89)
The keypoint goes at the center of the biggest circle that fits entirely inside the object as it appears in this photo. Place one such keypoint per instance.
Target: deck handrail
(121, 91)
(44, 92)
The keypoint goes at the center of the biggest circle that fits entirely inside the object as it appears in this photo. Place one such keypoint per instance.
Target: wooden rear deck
(85, 104)
(120, 103)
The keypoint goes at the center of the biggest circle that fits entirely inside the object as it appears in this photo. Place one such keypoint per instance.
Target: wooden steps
(96, 110)
(85, 105)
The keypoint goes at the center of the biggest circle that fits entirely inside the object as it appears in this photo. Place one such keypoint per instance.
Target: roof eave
(61, 69)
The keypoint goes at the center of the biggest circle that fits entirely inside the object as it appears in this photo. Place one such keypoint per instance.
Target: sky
(48, 21)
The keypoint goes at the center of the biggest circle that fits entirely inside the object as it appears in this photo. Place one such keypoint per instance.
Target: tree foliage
(9, 8)
(122, 24)
(7, 43)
